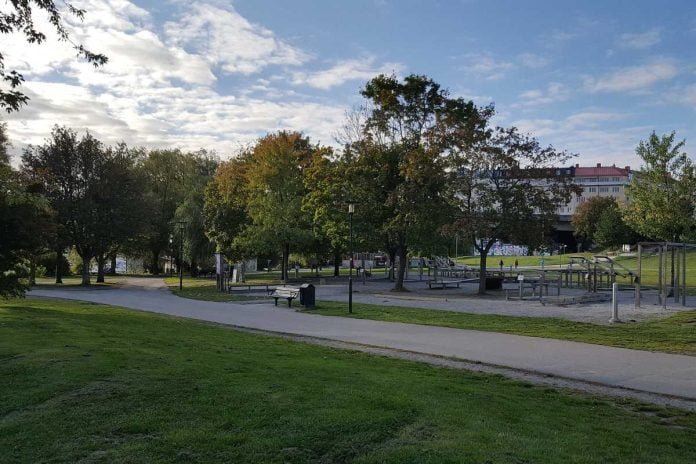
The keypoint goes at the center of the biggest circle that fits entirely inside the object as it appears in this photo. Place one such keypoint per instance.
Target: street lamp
(171, 252)
(181, 254)
(351, 210)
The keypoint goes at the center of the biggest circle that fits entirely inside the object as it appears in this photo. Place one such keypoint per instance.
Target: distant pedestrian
(516, 264)
(501, 264)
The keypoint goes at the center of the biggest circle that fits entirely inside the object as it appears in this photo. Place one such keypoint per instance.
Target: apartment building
(598, 181)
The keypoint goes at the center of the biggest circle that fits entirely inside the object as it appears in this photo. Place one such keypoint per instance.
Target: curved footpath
(656, 373)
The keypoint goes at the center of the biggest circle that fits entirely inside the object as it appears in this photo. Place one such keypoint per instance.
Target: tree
(328, 186)
(399, 169)
(71, 172)
(26, 225)
(611, 230)
(4, 145)
(661, 194)
(118, 221)
(199, 169)
(163, 175)
(507, 187)
(276, 193)
(225, 205)
(586, 218)
(19, 18)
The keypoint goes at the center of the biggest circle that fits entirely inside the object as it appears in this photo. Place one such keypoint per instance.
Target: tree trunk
(392, 260)
(286, 261)
(194, 268)
(59, 266)
(85, 270)
(32, 271)
(337, 263)
(112, 271)
(401, 271)
(101, 262)
(154, 264)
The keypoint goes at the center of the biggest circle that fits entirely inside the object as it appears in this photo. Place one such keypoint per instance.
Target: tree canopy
(20, 19)
(661, 194)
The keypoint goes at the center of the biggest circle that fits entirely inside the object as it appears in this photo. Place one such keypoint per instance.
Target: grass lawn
(77, 280)
(91, 383)
(674, 334)
(203, 289)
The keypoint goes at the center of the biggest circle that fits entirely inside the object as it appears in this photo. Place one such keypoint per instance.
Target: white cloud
(591, 135)
(229, 40)
(553, 92)
(348, 70)
(633, 78)
(531, 60)
(640, 40)
(484, 65)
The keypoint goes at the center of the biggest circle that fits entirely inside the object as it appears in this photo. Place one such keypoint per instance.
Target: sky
(593, 77)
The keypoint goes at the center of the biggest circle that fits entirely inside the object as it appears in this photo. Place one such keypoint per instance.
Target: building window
(604, 189)
(593, 189)
(616, 179)
(616, 189)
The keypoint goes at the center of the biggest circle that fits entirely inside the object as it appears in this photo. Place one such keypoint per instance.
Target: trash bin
(494, 283)
(307, 295)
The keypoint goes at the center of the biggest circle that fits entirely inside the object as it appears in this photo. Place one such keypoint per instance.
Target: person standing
(501, 264)
(516, 264)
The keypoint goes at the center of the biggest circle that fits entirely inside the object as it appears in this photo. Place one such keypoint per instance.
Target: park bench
(444, 283)
(289, 293)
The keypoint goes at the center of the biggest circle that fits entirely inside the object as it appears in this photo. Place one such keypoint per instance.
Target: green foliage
(611, 230)
(276, 183)
(397, 162)
(18, 18)
(587, 216)
(506, 187)
(661, 205)
(26, 222)
(225, 202)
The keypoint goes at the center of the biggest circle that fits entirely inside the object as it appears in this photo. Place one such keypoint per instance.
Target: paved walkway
(659, 373)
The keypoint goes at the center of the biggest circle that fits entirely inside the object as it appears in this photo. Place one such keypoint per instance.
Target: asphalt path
(657, 373)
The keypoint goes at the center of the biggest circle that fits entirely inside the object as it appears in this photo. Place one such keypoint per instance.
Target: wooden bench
(289, 293)
(444, 283)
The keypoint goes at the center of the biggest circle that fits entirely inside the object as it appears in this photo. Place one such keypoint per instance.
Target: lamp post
(171, 252)
(351, 210)
(181, 254)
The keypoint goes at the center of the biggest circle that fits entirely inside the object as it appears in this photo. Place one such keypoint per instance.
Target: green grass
(91, 383)
(674, 334)
(77, 280)
(202, 289)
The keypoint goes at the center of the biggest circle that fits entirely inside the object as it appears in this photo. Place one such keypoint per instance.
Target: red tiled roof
(601, 171)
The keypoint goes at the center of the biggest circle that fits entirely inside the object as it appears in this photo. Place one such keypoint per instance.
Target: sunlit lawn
(90, 383)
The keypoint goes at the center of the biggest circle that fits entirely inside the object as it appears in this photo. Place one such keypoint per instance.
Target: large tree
(26, 225)
(587, 216)
(225, 206)
(71, 171)
(507, 187)
(199, 168)
(399, 163)
(661, 194)
(611, 231)
(18, 18)
(163, 175)
(276, 193)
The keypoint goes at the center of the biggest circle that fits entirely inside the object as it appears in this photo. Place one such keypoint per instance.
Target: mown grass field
(674, 334)
(91, 383)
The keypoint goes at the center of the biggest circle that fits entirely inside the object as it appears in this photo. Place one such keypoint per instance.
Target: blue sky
(590, 77)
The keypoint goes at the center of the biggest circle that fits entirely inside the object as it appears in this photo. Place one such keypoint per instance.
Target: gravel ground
(466, 300)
